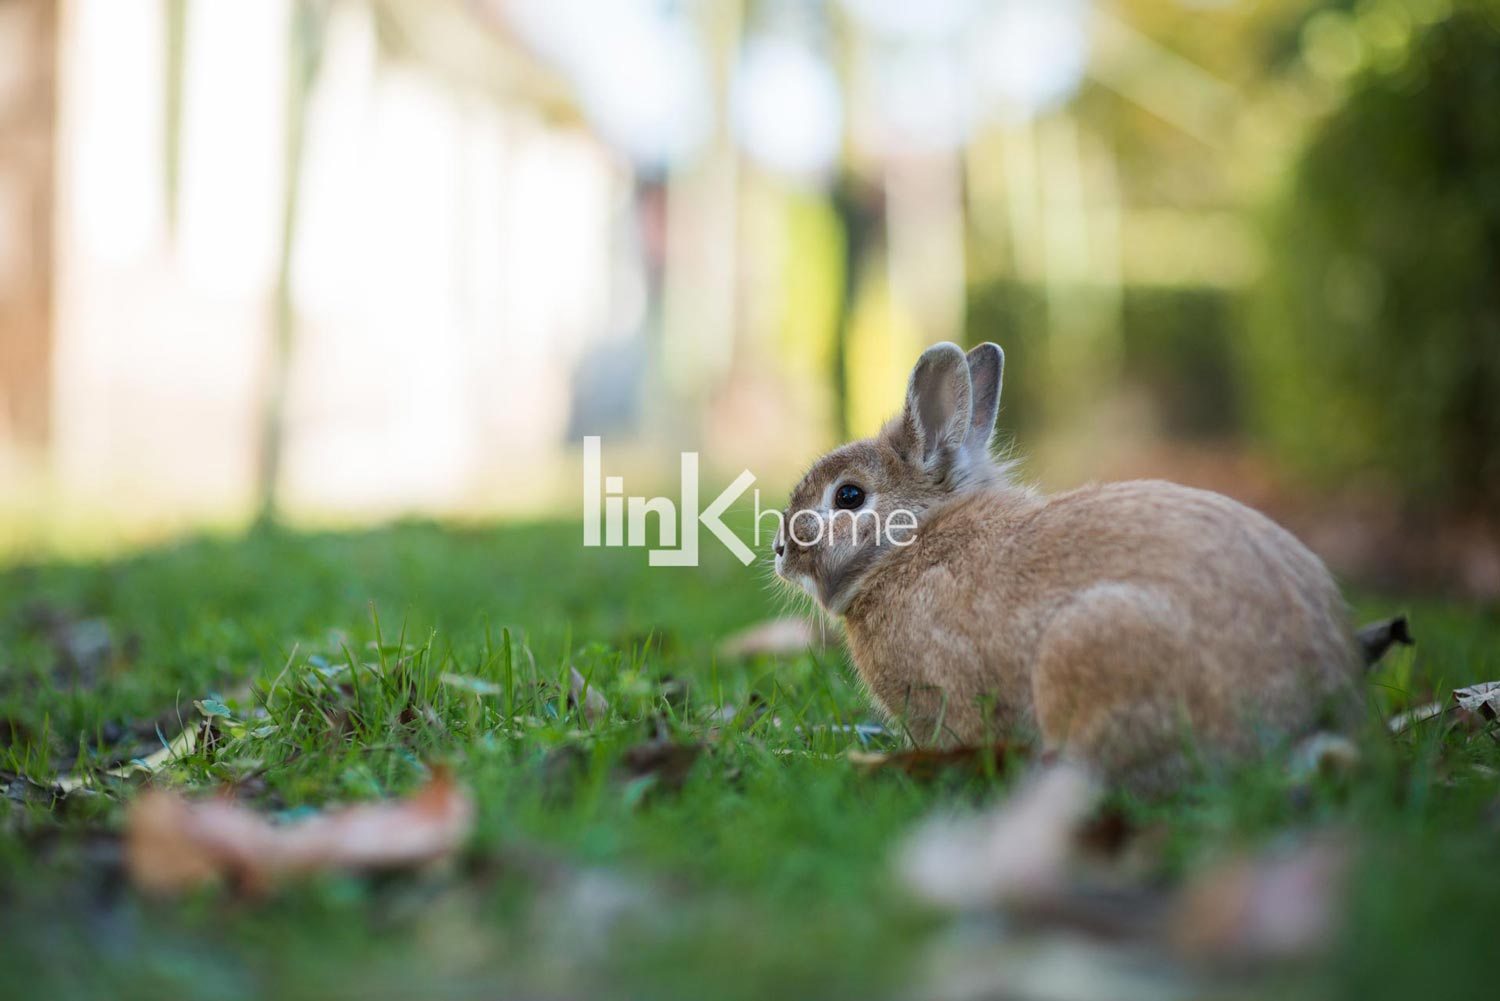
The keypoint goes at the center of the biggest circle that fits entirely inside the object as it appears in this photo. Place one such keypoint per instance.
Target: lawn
(708, 836)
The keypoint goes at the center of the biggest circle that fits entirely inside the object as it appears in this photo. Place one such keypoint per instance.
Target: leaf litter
(1473, 707)
(1016, 851)
(1482, 699)
(173, 844)
(1058, 865)
(1022, 859)
(785, 636)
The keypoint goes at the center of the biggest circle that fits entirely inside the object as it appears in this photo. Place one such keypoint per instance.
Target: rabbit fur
(1140, 627)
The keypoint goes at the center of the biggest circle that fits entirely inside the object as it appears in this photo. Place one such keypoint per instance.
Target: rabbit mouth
(800, 578)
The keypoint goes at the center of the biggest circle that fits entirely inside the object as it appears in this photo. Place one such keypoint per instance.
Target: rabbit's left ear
(939, 405)
(986, 369)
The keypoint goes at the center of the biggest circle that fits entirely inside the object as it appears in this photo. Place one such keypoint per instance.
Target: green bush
(1176, 346)
(1014, 315)
(1374, 341)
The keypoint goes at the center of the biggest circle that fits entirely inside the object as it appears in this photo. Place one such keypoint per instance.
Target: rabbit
(1142, 628)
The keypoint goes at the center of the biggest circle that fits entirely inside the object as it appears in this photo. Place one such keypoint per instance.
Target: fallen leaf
(23, 788)
(183, 744)
(1483, 699)
(582, 693)
(469, 683)
(774, 636)
(1017, 851)
(1403, 721)
(660, 762)
(173, 844)
(1274, 906)
(928, 763)
(1049, 861)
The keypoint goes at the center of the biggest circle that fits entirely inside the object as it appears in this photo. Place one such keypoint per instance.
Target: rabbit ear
(938, 405)
(986, 368)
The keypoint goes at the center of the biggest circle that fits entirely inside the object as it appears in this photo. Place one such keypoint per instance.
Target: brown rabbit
(1133, 625)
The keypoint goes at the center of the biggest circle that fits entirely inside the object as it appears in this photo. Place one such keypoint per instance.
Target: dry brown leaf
(661, 759)
(173, 844)
(1016, 852)
(1272, 906)
(774, 636)
(927, 763)
(582, 693)
(1483, 699)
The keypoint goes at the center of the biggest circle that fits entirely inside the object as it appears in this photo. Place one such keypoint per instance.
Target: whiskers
(795, 602)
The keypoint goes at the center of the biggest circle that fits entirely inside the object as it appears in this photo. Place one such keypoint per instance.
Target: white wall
(454, 262)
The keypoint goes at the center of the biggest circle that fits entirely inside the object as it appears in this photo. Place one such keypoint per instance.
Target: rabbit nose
(779, 546)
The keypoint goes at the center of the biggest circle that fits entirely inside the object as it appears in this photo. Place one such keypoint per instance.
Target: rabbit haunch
(1134, 625)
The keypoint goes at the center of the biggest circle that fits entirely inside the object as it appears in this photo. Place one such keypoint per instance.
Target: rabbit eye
(848, 497)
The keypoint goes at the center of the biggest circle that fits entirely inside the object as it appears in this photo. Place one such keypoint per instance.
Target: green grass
(764, 873)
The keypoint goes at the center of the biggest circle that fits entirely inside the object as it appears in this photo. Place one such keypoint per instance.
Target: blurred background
(331, 261)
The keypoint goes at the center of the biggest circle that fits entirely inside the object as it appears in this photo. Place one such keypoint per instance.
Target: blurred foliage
(1013, 315)
(1374, 345)
(1177, 348)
